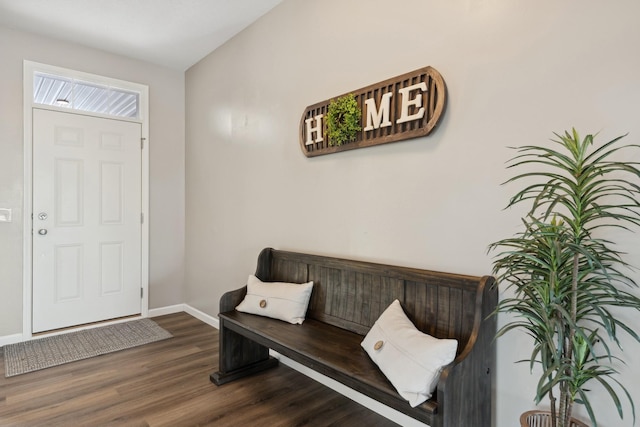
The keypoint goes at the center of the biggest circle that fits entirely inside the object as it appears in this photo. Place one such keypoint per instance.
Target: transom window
(70, 93)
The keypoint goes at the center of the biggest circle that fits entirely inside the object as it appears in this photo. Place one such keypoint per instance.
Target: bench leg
(239, 357)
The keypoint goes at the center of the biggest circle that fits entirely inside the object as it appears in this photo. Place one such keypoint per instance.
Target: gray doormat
(56, 350)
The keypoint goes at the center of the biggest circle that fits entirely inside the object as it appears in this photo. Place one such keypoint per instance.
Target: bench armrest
(231, 299)
(463, 385)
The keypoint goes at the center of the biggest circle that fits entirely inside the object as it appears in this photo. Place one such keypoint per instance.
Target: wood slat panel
(468, 318)
(319, 293)
(284, 270)
(437, 303)
(455, 313)
(359, 300)
(442, 321)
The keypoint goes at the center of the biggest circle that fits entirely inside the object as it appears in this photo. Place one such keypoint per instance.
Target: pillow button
(263, 303)
(378, 345)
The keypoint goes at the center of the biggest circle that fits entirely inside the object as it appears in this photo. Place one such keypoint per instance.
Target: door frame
(29, 69)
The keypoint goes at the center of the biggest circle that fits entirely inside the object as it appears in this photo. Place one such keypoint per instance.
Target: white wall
(516, 72)
(166, 137)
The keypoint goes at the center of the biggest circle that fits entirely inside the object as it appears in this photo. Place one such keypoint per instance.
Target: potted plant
(567, 278)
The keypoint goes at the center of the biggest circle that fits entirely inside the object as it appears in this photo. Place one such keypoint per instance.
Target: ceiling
(170, 33)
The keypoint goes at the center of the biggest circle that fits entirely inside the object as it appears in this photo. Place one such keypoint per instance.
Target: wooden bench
(348, 296)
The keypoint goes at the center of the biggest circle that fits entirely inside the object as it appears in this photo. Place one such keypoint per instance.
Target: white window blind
(84, 96)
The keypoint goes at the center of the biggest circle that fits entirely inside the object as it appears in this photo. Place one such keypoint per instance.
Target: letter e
(405, 93)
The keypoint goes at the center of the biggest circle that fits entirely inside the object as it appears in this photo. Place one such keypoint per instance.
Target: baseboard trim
(171, 309)
(11, 339)
(200, 315)
(209, 320)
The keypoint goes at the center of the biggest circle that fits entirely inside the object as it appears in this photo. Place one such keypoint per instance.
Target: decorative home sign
(403, 107)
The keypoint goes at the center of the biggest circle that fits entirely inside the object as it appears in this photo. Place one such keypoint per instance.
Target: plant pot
(543, 419)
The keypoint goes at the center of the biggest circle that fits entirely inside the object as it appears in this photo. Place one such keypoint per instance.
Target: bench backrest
(352, 294)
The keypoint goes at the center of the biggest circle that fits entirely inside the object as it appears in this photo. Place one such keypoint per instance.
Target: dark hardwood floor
(167, 384)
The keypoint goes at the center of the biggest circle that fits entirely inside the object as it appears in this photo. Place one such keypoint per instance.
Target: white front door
(87, 204)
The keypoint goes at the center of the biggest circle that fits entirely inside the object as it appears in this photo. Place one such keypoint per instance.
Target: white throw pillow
(284, 301)
(409, 358)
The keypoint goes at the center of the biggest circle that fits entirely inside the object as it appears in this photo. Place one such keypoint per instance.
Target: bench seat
(329, 350)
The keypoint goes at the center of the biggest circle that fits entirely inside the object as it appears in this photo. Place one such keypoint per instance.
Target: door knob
(42, 231)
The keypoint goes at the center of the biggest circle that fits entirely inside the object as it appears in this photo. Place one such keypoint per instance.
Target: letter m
(378, 118)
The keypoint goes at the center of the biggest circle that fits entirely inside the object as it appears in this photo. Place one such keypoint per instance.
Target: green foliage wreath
(343, 120)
